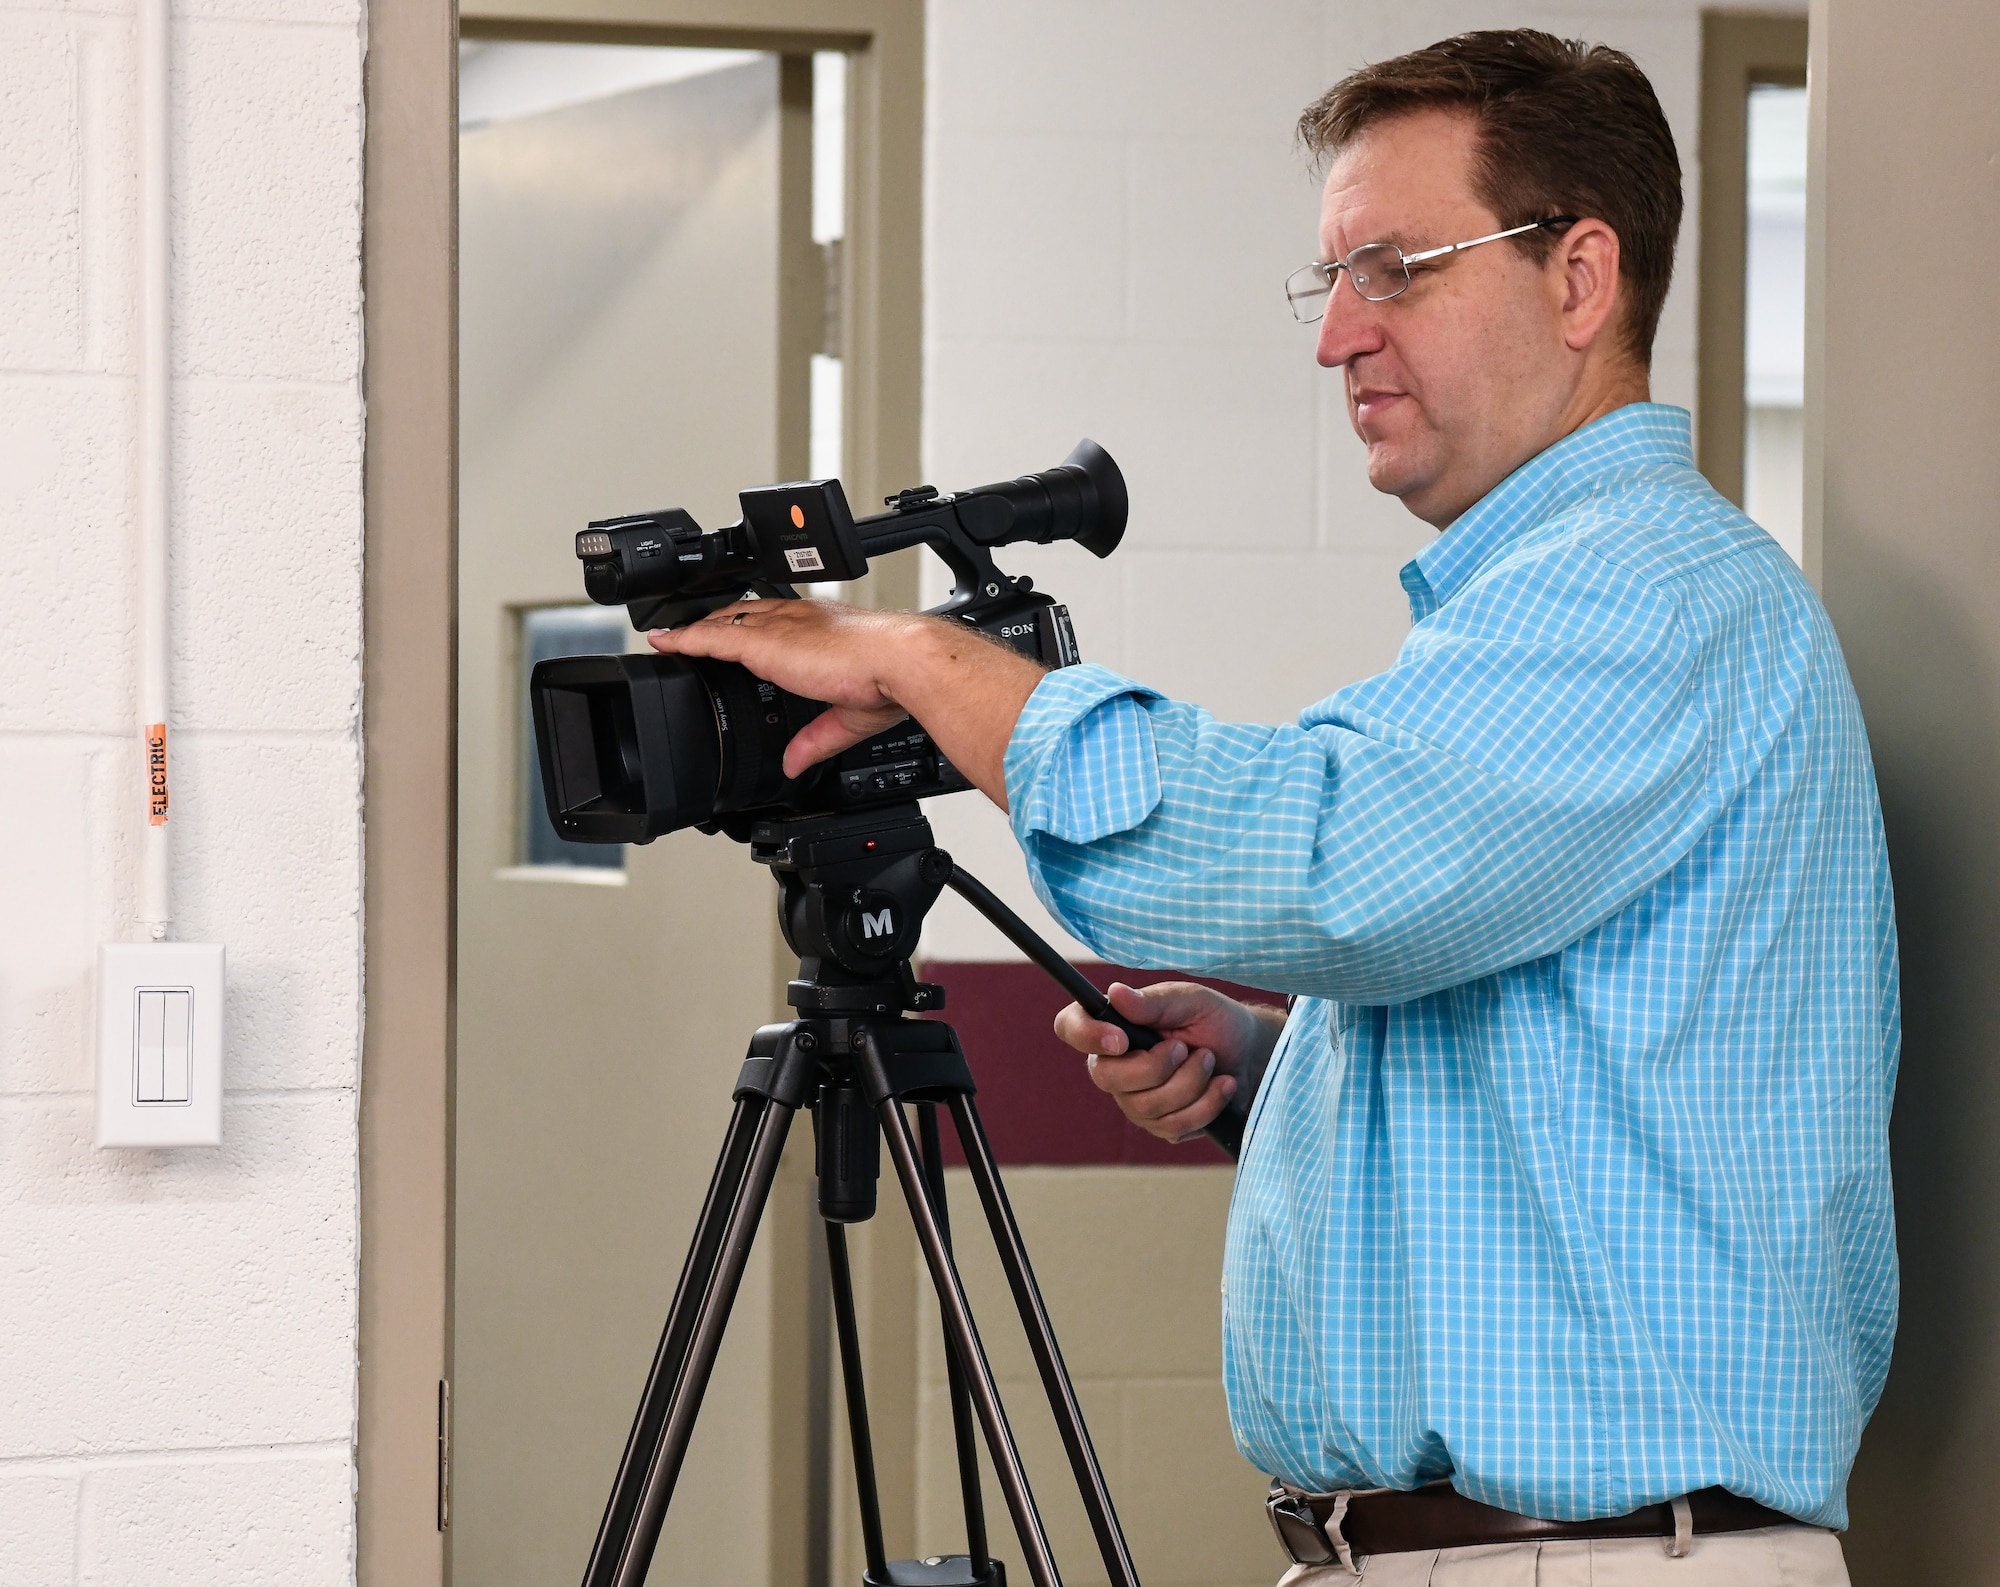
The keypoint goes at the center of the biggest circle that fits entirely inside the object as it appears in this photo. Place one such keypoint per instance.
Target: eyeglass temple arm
(1512, 231)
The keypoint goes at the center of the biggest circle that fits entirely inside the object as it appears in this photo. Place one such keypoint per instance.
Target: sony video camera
(632, 746)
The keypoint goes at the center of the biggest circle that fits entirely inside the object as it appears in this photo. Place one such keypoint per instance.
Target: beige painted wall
(1129, 1264)
(1904, 401)
(1129, 1261)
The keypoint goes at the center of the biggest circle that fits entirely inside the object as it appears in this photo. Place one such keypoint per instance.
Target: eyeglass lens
(1306, 289)
(1378, 271)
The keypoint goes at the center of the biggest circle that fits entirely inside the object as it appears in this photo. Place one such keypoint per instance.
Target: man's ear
(1586, 264)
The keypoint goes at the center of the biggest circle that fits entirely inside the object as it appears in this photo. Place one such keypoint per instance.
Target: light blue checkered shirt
(1569, 1179)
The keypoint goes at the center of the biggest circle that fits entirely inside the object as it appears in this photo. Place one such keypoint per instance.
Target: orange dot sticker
(798, 516)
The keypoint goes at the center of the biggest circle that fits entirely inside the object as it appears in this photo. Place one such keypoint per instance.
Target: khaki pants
(1778, 1556)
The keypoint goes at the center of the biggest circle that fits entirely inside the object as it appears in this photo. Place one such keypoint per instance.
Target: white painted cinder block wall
(1112, 204)
(177, 1328)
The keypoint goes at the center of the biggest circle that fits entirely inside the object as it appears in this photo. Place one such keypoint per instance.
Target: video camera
(633, 746)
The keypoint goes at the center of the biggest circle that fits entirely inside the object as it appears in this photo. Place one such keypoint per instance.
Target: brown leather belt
(1330, 1528)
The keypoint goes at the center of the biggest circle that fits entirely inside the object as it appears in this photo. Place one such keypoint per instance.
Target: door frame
(1738, 49)
(409, 707)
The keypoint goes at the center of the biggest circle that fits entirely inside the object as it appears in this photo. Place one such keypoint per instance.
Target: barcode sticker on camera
(804, 560)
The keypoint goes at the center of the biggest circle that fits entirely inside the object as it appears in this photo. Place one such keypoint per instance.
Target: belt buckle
(1300, 1533)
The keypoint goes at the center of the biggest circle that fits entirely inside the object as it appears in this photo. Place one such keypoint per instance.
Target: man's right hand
(1212, 1050)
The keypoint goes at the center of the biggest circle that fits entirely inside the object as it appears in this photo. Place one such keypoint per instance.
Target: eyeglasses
(1380, 270)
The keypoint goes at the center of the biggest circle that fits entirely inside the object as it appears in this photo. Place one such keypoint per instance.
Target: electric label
(156, 774)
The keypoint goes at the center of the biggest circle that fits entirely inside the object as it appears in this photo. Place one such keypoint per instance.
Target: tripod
(853, 892)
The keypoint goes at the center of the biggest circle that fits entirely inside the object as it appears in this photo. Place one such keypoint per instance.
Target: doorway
(1774, 310)
(1750, 441)
(411, 1504)
(621, 233)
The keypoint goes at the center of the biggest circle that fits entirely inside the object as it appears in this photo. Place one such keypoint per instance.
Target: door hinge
(444, 1455)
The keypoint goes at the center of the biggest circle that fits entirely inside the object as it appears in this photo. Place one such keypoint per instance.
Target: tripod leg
(857, 1401)
(965, 1339)
(696, 1273)
(961, 1401)
(1042, 1341)
(711, 1318)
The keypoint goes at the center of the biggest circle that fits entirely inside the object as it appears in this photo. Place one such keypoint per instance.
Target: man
(1565, 1189)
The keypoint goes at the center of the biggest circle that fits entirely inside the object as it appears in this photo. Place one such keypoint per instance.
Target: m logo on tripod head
(872, 925)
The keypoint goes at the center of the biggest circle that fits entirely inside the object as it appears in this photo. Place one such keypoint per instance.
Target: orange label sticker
(156, 774)
(798, 516)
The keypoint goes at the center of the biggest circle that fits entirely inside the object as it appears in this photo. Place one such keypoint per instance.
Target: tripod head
(853, 891)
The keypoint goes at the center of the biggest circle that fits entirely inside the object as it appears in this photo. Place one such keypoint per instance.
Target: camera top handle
(666, 571)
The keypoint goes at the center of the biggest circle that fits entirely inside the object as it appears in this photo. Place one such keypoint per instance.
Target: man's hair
(1565, 128)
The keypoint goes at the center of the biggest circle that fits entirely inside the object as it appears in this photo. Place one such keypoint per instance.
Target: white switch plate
(159, 1044)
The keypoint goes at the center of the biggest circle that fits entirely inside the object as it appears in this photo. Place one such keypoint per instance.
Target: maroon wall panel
(1035, 1095)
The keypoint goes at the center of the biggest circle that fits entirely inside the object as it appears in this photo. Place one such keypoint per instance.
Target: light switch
(159, 1066)
(160, 1055)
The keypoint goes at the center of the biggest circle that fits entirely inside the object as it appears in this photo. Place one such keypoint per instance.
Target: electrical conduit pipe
(155, 453)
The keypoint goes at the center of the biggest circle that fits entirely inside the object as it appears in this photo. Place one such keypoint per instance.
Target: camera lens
(754, 721)
(627, 746)
(635, 746)
(624, 735)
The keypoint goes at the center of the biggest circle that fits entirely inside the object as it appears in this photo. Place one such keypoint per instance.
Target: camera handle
(921, 518)
(924, 518)
(1226, 1129)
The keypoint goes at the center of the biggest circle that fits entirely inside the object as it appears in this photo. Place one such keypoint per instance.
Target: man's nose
(1350, 327)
